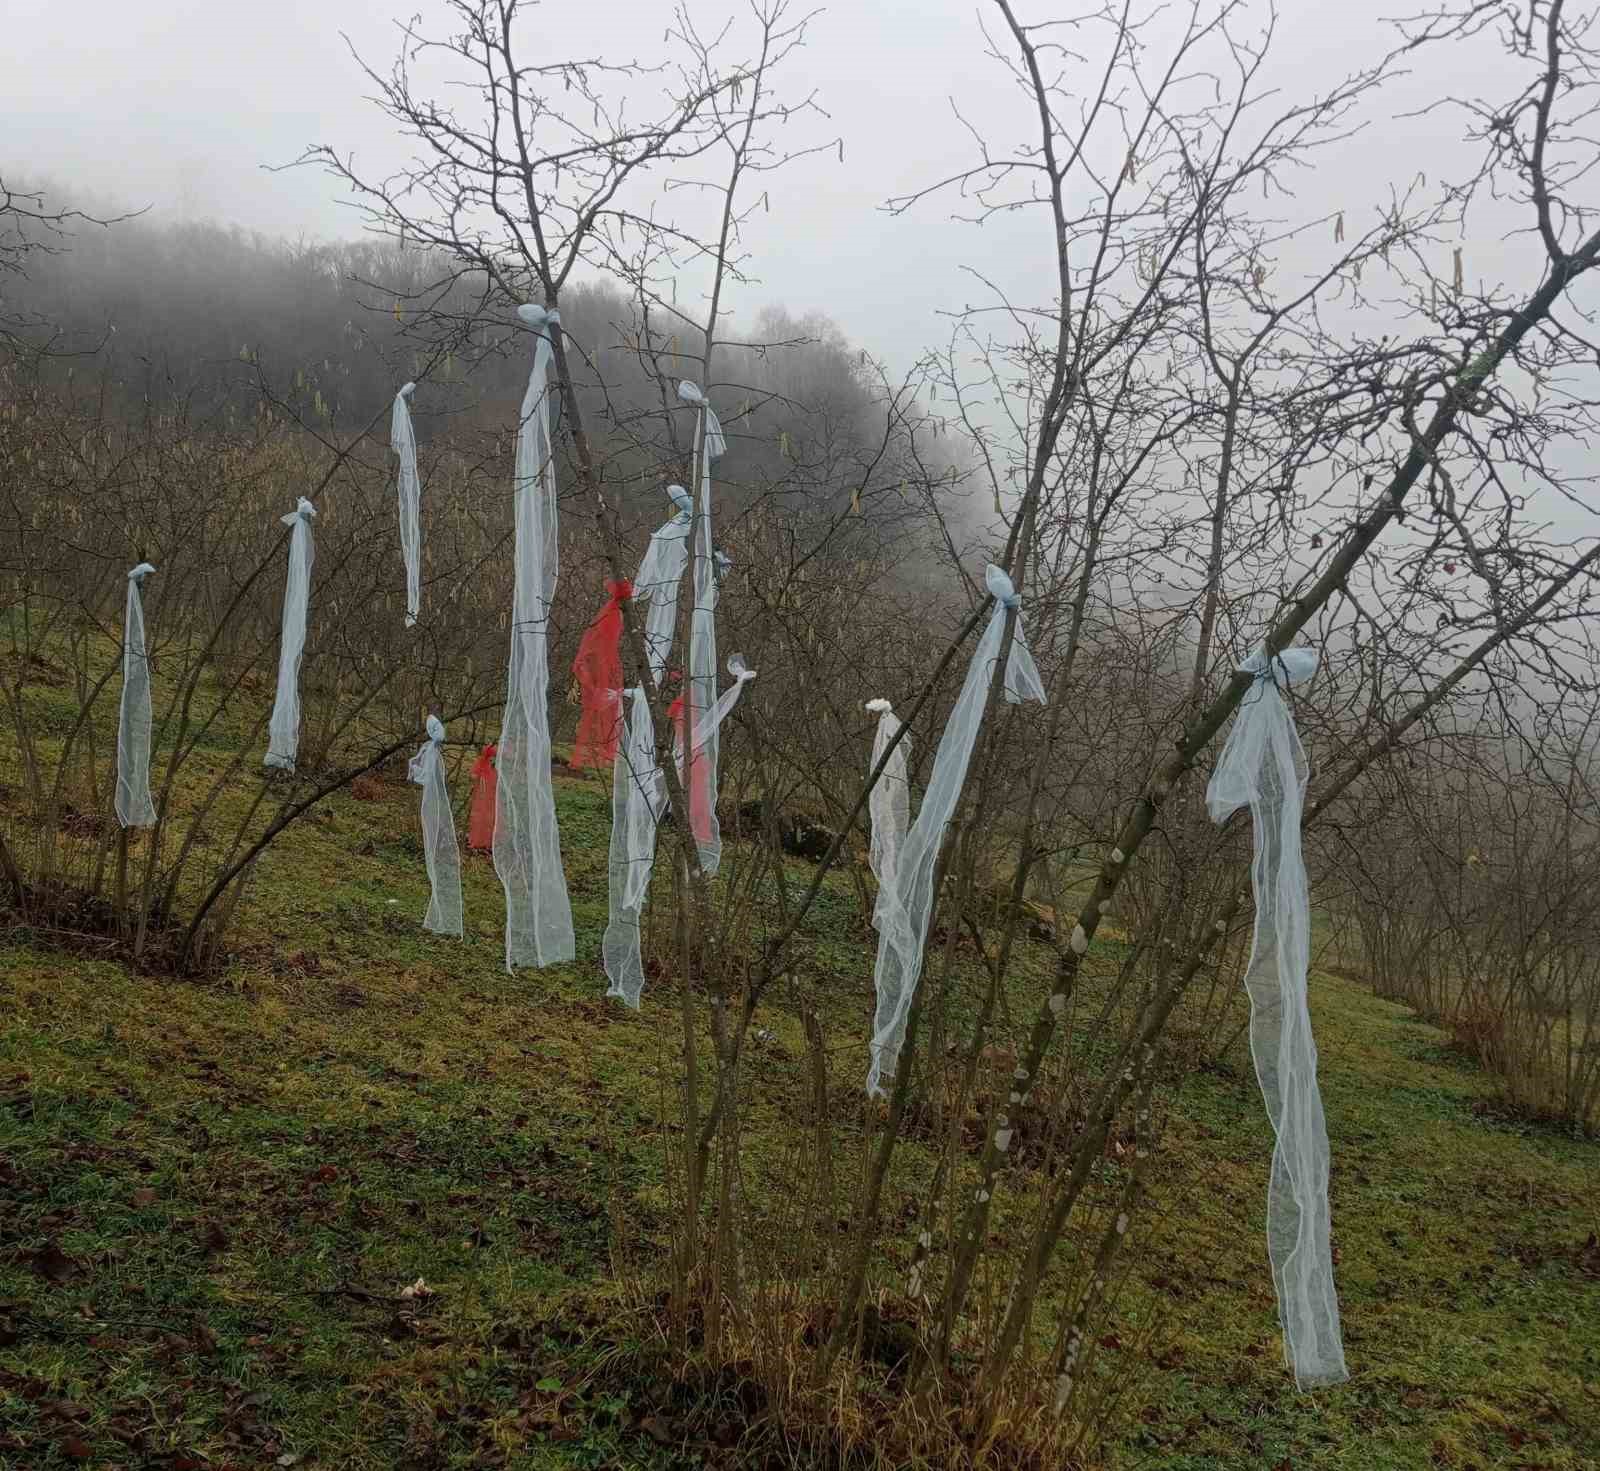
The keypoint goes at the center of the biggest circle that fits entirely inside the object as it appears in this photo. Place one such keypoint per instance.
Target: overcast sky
(178, 104)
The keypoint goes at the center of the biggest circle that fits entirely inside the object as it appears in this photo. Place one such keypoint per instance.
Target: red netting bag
(598, 668)
(480, 817)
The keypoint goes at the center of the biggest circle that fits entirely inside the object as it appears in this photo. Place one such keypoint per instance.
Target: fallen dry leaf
(63, 1409)
(658, 1430)
(212, 1237)
(53, 1264)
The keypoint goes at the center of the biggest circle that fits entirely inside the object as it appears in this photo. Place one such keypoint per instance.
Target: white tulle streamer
(409, 487)
(1263, 766)
(134, 807)
(438, 834)
(655, 589)
(701, 687)
(710, 721)
(283, 731)
(889, 805)
(637, 800)
(904, 908)
(527, 846)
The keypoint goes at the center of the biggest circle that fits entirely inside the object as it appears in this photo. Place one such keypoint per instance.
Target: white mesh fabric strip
(655, 589)
(134, 807)
(527, 846)
(889, 805)
(283, 732)
(637, 800)
(710, 721)
(438, 834)
(409, 488)
(902, 922)
(701, 687)
(638, 795)
(1264, 766)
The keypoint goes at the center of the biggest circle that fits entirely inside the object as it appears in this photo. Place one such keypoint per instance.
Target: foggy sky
(178, 104)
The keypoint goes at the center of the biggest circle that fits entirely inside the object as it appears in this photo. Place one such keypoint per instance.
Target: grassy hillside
(214, 1196)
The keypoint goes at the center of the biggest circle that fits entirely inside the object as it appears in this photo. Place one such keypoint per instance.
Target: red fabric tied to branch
(599, 671)
(480, 818)
(696, 776)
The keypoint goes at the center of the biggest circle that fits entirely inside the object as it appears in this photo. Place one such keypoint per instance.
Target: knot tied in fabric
(538, 317)
(133, 802)
(1001, 587)
(716, 445)
(283, 730)
(439, 847)
(1263, 766)
(905, 906)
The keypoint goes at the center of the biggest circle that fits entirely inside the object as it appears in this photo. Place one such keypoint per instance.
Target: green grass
(213, 1193)
(1470, 1302)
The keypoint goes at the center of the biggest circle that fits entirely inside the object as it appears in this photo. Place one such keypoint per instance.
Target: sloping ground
(212, 1197)
(1467, 1264)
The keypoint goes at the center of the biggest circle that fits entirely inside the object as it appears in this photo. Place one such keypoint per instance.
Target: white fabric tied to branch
(1263, 766)
(404, 443)
(638, 793)
(438, 834)
(527, 845)
(638, 797)
(904, 908)
(705, 730)
(134, 807)
(656, 586)
(283, 731)
(889, 806)
(701, 687)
